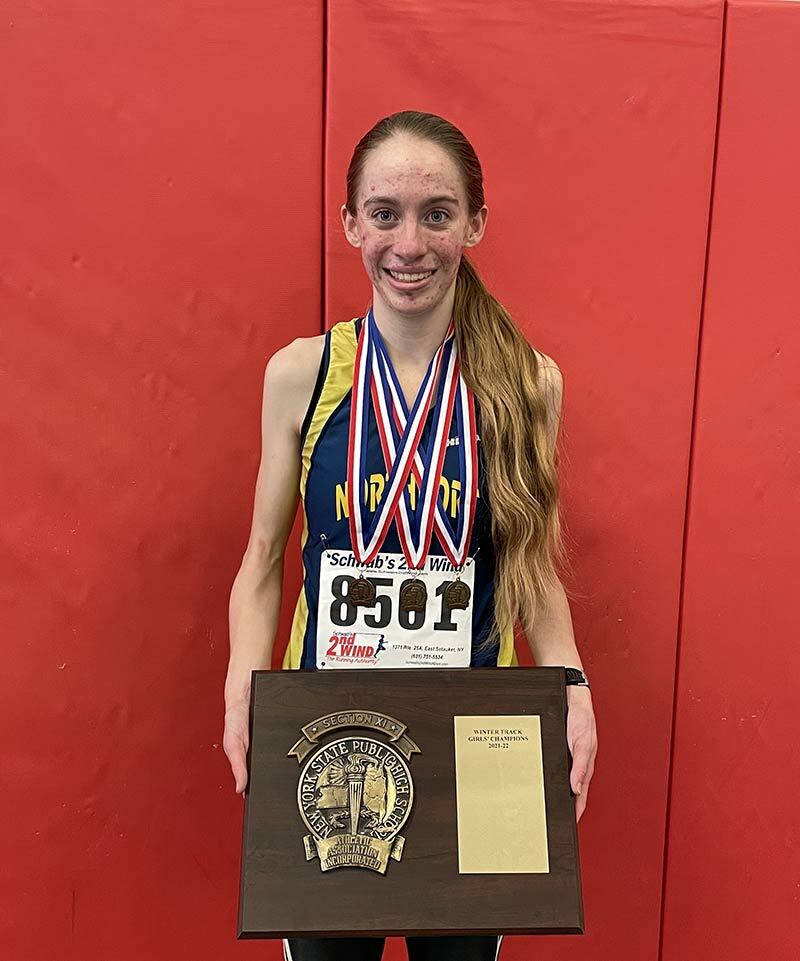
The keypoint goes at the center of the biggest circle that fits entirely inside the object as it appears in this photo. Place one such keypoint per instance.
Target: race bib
(383, 635)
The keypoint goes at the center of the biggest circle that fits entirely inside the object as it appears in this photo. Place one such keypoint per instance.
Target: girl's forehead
(408, 172)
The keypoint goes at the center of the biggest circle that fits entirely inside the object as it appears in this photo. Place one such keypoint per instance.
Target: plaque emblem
(355, 791)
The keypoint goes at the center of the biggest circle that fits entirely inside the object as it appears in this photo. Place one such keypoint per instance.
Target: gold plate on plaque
(502, 824)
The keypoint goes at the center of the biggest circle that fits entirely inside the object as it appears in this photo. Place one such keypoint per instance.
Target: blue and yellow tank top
(326, 631)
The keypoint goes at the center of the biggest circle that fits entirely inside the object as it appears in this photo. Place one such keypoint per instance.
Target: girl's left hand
(582, 742)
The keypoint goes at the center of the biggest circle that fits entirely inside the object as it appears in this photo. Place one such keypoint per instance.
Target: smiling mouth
(408, 277)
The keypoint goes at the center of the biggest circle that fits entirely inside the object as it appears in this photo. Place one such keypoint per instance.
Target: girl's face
(412, 219)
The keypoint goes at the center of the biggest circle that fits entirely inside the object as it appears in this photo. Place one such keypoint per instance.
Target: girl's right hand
(236, 740)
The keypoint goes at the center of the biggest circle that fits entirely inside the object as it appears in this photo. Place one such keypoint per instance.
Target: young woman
(434, 383)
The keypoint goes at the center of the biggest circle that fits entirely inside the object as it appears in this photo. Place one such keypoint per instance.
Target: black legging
(371, 949)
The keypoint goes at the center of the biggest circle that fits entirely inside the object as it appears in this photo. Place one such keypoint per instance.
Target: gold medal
(362, 593)
(457, 595)
(413, 595)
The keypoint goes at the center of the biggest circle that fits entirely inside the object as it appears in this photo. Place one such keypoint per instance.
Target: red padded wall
(160, 190)
(733, 889)
(148, 267)
(594, 123)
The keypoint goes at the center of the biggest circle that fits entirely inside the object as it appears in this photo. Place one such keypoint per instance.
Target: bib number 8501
(343, 614)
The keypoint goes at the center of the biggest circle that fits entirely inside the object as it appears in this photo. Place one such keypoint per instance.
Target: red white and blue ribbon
(455, 542)
(400, 432)
(368, 538)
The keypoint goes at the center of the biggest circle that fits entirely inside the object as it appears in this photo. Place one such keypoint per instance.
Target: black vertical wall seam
(689, 478)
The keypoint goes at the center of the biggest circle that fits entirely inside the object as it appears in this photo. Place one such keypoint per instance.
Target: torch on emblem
(355, 793)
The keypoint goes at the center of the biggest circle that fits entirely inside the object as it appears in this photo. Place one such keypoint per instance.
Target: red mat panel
(732, 889)
(160, 193)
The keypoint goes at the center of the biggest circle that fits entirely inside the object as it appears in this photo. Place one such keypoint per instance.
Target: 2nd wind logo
(355, 793)
(353, 647)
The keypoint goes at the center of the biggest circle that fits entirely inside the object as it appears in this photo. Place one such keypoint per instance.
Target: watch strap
(575, 676)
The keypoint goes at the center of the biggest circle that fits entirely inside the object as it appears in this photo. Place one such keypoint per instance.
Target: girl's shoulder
(551, 384)
(291, 373)
(548, 372)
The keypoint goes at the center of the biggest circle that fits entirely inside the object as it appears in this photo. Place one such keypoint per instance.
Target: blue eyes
(384, 210)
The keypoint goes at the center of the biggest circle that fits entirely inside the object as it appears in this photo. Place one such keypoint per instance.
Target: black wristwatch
(575, 676)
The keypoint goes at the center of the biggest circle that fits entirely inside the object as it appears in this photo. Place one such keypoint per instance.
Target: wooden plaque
(409, 802)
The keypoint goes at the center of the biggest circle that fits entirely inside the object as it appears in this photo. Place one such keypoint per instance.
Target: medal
(362, 593)
(413, 595)
(457, 595)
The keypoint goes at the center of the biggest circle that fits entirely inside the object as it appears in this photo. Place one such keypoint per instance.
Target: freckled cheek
(373, 253)
(449, 253)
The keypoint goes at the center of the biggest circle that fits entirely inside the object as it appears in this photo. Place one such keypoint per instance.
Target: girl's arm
(255, 599)
(552, 639)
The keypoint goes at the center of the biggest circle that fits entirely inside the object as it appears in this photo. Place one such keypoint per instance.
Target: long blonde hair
(511, 390)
